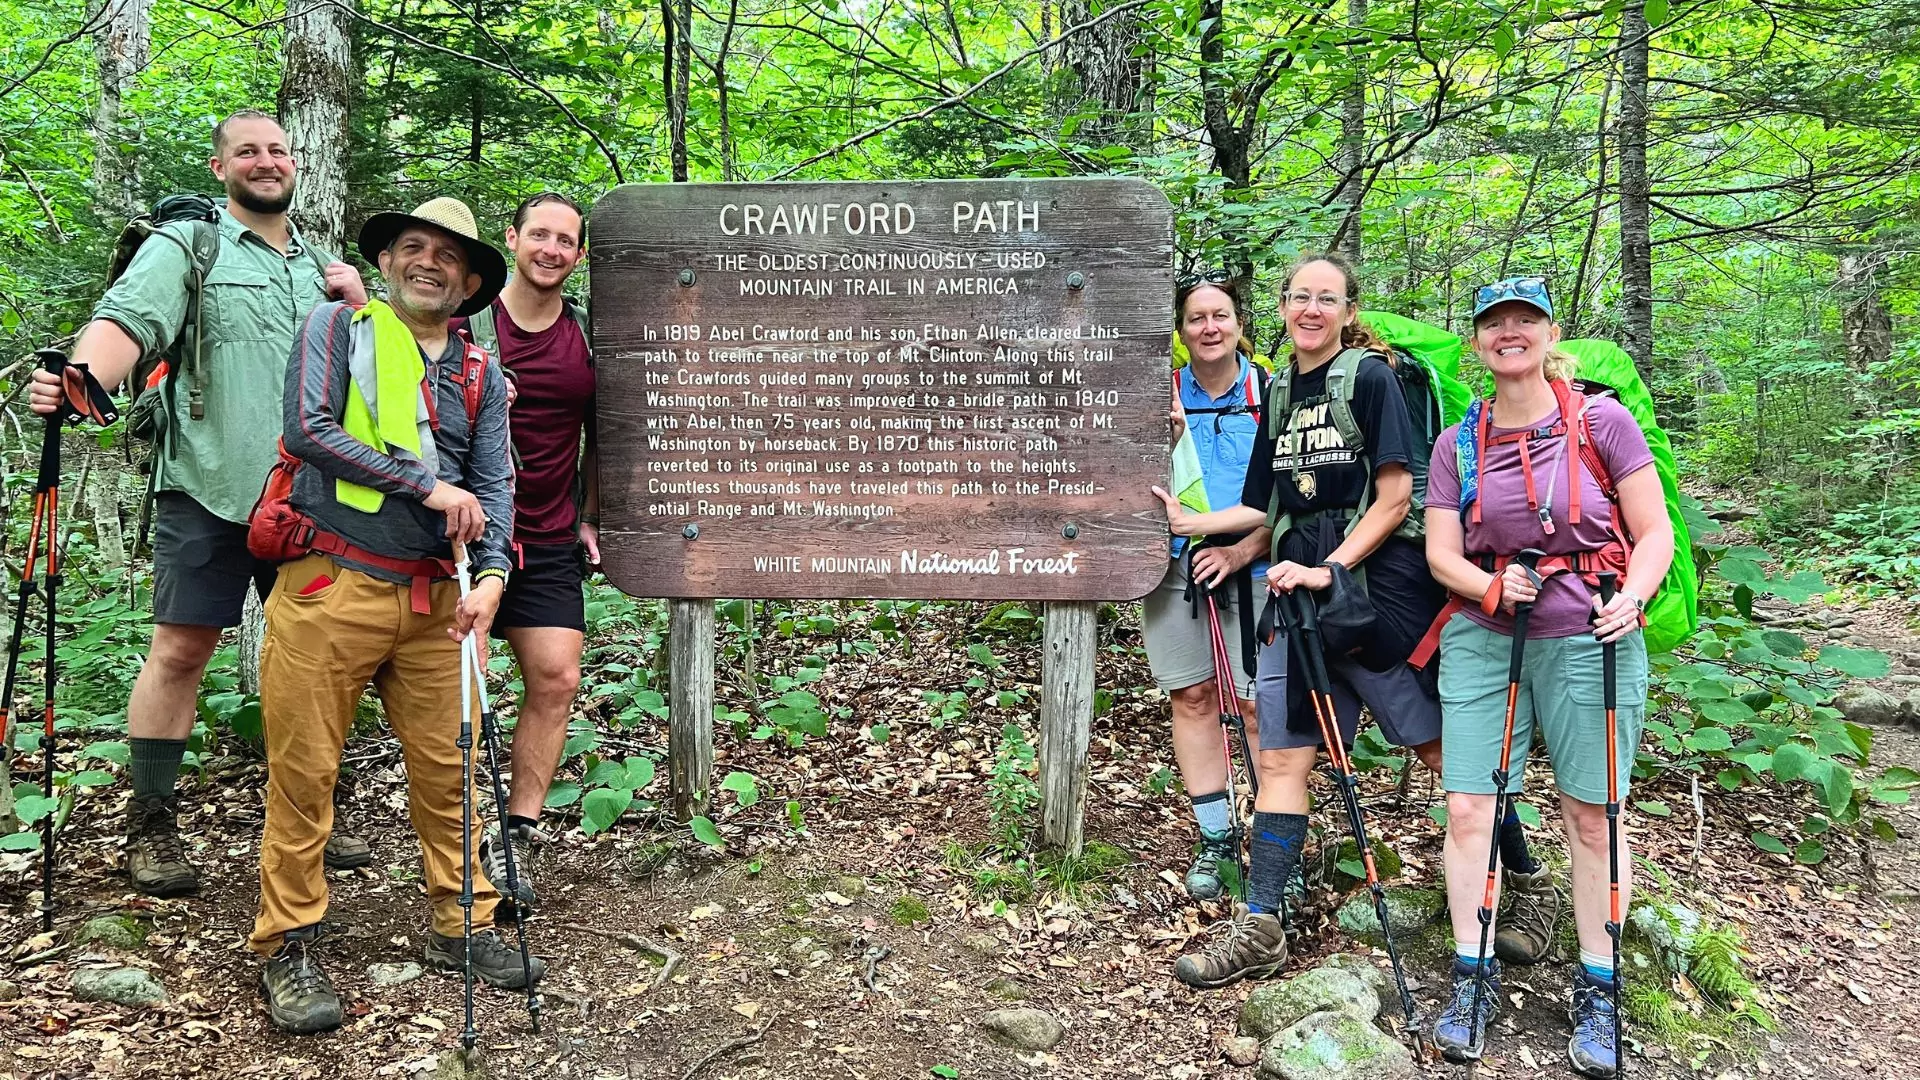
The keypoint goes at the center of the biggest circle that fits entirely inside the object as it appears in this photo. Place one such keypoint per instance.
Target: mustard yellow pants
(323, 645)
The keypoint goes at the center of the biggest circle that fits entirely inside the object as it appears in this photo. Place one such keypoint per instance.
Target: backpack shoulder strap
(482, 331)
(582, 317)
(1279, 397)
(1341, 378)
(473, 378)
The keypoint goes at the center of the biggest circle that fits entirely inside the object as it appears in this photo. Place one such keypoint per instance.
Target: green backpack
(1427, 361)
(1673, 613)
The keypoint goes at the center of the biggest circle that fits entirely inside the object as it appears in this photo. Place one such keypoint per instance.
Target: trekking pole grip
(1608, 581)
(1529, 561)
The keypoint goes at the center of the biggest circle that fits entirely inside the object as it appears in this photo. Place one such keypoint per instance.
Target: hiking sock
(515, 823)
(155, 765)
(1214, 814)
(1278, 840)
(1467, 953)
(1513, 845)
(1599, 967)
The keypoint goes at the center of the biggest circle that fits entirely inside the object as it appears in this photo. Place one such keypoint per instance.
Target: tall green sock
(155, 765)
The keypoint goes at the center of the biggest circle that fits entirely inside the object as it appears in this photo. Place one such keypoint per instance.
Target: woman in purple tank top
(1541, 468)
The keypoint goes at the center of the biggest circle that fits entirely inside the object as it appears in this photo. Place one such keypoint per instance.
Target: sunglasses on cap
(1527, 290)
(1198, 277)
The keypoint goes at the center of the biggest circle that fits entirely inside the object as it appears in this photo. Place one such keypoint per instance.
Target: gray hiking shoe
(346, 852)
(1207, 879)
(494, 963)
(1254, 947)
(156, 861)
(300, 1000)
(493, 860)
(1526, 928)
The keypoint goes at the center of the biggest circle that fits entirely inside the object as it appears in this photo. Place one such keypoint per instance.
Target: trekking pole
(86, 399)
(1231, 720)
(490, 737)
(1527, 559)
(468, 1035)
(1610, 674)
(1320, 687)
(1231, 716)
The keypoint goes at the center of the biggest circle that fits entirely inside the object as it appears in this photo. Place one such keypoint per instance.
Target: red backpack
(277, 532)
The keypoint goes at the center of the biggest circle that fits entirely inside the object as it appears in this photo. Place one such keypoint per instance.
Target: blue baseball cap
(1527, 290)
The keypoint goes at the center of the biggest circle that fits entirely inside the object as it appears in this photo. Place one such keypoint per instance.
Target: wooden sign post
(939, 389)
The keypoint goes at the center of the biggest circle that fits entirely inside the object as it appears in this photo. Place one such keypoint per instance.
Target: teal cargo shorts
(1562, 693)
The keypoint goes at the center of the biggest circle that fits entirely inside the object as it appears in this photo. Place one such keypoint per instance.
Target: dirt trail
(864, 947)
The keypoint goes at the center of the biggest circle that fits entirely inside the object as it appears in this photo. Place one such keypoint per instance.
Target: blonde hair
(1559, 365)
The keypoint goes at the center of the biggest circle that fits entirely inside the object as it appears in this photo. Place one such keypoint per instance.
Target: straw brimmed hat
(452, 217)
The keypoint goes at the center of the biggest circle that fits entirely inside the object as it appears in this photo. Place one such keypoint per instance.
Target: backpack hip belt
(1586, 565)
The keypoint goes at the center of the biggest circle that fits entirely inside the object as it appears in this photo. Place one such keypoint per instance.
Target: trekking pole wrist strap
(1490, 600)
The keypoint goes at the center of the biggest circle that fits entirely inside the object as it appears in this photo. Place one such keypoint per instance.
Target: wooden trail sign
(939, 389)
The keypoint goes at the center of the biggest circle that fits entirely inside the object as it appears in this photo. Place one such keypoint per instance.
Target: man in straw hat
(398, 434)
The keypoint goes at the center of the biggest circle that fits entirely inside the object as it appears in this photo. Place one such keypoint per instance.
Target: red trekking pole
(86, 399)
(1610, 673)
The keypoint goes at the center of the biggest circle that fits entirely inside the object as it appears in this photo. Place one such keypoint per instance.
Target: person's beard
(424, 313)
(260, 204)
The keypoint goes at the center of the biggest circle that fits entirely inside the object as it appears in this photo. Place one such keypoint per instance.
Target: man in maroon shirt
(540, 337)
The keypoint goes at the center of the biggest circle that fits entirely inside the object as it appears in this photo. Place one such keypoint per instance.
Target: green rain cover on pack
(1674, 612)
(1435, 349)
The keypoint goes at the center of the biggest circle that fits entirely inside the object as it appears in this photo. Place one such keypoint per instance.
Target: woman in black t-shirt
(1315, 469)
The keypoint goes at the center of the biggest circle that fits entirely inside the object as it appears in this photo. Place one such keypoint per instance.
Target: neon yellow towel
(398, 370)
(1189, 483)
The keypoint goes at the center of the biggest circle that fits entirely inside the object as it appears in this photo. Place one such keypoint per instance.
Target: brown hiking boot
(1254, 947)
(155, 859)
(347, 852)
(1533, 911)
(300, 999)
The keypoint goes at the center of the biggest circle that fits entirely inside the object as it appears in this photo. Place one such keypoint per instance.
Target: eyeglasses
(1193, 279)
(1522, 288)
(1300, 301)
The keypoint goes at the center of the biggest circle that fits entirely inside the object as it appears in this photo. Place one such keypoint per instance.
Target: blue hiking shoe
(1459, 1033)
(1595, 1046)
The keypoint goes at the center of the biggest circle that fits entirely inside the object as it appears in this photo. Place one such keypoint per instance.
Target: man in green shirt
(259, 288)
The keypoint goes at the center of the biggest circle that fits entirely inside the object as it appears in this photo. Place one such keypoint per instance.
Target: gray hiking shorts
(201, 565)
(1407, 714)
(1179, 645)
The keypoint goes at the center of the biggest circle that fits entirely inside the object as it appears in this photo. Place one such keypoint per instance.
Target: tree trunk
(316, 86)
(1353, 139)
(1864, 320)
(120, 43)
(1571, 316)
(1232, 147)
(676, 55)
(1114, 82)
(1636, 249)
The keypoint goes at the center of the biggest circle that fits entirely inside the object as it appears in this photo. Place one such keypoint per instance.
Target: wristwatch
(1639, 602)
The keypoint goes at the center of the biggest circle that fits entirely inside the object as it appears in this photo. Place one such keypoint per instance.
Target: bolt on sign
(938, 389)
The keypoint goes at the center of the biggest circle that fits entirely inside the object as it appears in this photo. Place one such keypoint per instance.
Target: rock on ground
(984, 945)
(1364, 969)
(1335, 1046)
(1864, 704)
(9, 990)
(455, 1065)
(1278, 1005)
(118, 986)
(1409, 911)
(1241, 1050)
(1006, 989)
(1663, 934)
(113, 931)
(1023, 1029)
(384, 975)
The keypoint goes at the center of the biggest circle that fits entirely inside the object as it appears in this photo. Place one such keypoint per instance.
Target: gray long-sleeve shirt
(473, 457)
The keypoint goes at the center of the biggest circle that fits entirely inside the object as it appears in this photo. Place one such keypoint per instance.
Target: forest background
(1725, 187)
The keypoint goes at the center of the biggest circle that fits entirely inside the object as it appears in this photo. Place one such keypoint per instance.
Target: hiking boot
(493, 962)
(1254, 947)
(346, 852)
(300, 1000)
(155, 859)
(1526, 928)
(1595, 1046)
(493, 860)
(1459, 1034)
(1207, 879)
